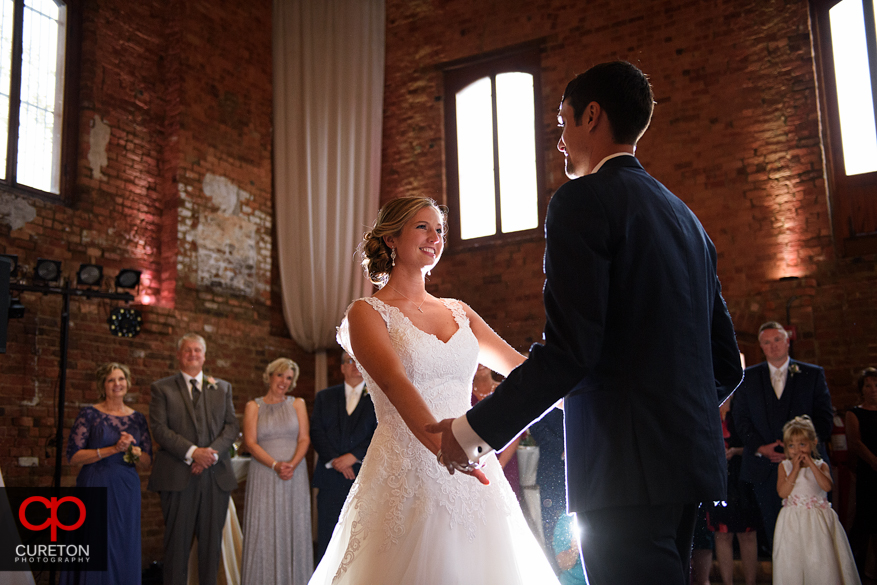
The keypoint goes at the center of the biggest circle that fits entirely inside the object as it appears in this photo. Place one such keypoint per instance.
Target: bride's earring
(393, 256)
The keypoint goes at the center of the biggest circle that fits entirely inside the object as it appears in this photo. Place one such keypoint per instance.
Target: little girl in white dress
(809, 545)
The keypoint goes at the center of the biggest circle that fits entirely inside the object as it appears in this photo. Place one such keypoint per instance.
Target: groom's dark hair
(621, 90)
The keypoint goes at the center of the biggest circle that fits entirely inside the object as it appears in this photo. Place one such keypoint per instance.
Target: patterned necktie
(353, 401)
(196, 393)
(778, 381)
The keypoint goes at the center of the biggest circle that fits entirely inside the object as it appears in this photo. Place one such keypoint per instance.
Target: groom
(637, 339)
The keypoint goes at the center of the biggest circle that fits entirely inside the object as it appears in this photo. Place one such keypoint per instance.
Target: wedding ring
(467, 467)
(438, 457)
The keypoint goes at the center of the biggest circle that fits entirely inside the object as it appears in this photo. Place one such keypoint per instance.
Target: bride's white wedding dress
(406, 520)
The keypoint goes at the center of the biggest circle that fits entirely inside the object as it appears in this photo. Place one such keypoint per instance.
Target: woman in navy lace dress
(111, 440)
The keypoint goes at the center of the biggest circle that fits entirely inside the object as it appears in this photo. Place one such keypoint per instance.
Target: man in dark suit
(342, 426)
(772, 393)
(192, 418)
(637, 339)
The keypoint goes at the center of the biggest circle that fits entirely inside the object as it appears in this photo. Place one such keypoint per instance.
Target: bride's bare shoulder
(363, 310)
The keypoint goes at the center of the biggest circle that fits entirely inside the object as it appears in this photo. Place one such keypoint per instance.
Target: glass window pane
(42, 83)
(855, 102)
(516, 134)
(6, 25)
(475, 160)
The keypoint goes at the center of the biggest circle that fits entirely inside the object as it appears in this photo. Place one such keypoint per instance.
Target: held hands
(284, 470)
(451, 454)
(805, 460)
(769, 451)
(203, 457)
(125, 440)
(343, 464)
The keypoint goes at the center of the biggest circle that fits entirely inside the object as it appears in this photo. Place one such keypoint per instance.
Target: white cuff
(329, 464)
(188, 457)
(474, 446)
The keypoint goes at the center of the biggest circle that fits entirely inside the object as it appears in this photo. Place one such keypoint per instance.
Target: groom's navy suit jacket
(637, 339)
(760, 417)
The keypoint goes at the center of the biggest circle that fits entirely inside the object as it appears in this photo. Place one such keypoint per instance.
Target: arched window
(492, 133)
(37, 105)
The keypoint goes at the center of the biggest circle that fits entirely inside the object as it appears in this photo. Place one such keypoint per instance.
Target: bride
(406, 521)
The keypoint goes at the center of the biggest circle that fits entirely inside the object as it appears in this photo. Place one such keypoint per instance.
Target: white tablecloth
(528, 463)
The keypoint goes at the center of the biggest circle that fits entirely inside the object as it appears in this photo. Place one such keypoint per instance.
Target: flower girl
(809, 545)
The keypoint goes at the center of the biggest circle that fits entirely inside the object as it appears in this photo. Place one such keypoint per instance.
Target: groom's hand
(452, 455)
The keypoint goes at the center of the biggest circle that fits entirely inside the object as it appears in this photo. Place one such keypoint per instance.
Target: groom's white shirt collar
(613, 155)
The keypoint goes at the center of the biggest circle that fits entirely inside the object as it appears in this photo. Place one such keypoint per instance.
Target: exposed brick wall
(184, 87)
(735, 134)
(185, 91)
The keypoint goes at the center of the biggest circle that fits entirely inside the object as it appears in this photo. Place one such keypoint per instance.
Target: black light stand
(66, 292)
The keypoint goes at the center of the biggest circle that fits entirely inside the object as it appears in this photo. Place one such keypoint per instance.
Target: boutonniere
(211, 383)
(794, 369)
(130, 457)
(364, 392)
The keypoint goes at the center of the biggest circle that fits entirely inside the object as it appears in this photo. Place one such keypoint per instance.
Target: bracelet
(272, 465)
(98, 453)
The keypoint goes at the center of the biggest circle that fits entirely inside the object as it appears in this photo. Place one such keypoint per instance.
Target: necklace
(412, 302)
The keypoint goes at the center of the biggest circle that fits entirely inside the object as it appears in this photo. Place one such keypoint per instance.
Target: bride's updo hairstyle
(391, 219)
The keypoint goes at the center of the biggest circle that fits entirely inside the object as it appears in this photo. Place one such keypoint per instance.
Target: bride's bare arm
(493, 351)
(371, 345)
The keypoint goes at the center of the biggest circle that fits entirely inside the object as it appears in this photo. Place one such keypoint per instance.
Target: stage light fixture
(90, 274)
(128, 278)
(16, 309)
(47, 270)
(124, 322)
(13, 258)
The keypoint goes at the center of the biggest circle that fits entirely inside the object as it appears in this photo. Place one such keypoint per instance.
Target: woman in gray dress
(278, 548)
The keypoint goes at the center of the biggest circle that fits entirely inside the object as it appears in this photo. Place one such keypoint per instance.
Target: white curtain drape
(328, 100)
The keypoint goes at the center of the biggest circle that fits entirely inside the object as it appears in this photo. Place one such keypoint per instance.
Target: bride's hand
(451, 454)
(477, 474)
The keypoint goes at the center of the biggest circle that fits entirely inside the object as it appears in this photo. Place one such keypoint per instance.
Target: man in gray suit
(192, 418)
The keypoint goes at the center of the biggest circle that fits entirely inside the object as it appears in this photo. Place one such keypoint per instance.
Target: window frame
(852, 199)
(458, 74)
(69, 112)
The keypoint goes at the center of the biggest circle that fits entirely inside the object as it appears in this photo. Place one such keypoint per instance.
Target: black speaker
(5, 270)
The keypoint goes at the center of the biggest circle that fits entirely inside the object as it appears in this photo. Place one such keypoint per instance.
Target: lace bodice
(397, 464)
(93, 429)
(442, 372)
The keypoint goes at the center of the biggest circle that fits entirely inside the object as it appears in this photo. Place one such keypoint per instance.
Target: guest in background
(342, 426)
(566, 550)
(771, 393)
(861, 427)
(192, 418)
(278, 549)
(483, 386)
(738, 514)
(701, 549)
(810, 545)
(111, 440)
(550, 474)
